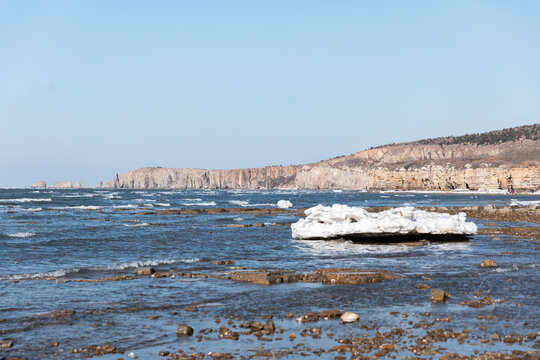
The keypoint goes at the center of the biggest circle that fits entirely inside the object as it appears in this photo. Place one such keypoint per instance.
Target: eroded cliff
(501, 162)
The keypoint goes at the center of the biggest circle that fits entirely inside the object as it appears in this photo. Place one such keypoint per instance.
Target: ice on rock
(324, 222)
(284, 204)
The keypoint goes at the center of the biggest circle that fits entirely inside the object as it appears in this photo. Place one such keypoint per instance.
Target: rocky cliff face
(424, 165)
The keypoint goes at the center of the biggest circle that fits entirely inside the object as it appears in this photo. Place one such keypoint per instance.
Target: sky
(92, 88)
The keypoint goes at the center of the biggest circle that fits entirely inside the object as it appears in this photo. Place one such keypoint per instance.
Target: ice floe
(324, 222)
(284, 204)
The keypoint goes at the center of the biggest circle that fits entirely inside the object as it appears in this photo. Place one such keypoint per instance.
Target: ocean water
(91, 233)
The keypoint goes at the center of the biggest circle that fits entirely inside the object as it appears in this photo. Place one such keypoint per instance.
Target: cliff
(503, 159)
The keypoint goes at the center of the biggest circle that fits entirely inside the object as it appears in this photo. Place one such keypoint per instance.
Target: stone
(6, 344)
(421, 286)
(263, 277)
(488, 263)
(144, 271)
(348, 317)
(222, 262)
(269, 327)
(226, 333)
(496, 337)
(99, 184)
(439, 295)
(77, 185)
(39, 185)
(308, 317)
(184, 330)
(353, 276)
(330, 314)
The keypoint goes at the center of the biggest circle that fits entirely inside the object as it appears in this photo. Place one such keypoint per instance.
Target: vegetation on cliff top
(526, 132)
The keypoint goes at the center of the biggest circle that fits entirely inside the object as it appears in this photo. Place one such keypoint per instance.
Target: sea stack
(62, 185)
(39, 185)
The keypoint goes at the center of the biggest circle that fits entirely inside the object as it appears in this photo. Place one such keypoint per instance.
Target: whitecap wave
(516, 202)
(21, 235)
(208, 203)
(119, 266)
(162, 204)
(239, 202)
(25, 200)
(137, 225)
(127, 206)
(79, 207)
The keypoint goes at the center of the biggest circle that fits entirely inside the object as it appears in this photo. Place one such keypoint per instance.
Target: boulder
(330, 314)
(439, 295)
(348, 317)
(184, 330)
(99, 184)
(77, 185)
(144, 271)
(488, 263)
(308, 317)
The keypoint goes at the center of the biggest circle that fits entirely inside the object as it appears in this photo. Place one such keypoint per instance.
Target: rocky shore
(468, 319)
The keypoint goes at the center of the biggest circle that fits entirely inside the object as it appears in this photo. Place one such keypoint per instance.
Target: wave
(25, 200)
(208, 203)
(20, 235)
(80, 207)
(192, 199)
(127, 206)
(239, 202)
(120, 266)
(137, 225)
(162, 204)
(77, 195)
(516, 202)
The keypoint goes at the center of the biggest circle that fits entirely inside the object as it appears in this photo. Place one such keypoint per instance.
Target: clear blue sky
(91, 88)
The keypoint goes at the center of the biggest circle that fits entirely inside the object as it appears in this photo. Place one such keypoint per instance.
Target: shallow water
(88, 234)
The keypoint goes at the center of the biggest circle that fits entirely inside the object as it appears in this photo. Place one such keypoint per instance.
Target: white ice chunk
(284, 204)
(323, 222)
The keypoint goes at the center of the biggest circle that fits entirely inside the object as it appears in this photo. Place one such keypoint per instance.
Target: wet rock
(184, 330)
(222, 262)
(164, 353)
(6, 344)
(439, 295)
(269, 327)
(58, 314)
(308, 317)
(220, 356)
(226, 333)
(496, 337)
(421, 286)
(191, 308)
(488, 263)
(264, 277)
(330, 314)
(348, 317)
(353, 276)
(144, 271)
(53, 344)
(289, 314)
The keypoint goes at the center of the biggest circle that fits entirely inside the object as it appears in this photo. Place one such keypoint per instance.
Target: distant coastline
(502, 161)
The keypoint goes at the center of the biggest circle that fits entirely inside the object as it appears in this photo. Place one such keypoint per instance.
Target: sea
(48, 238)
